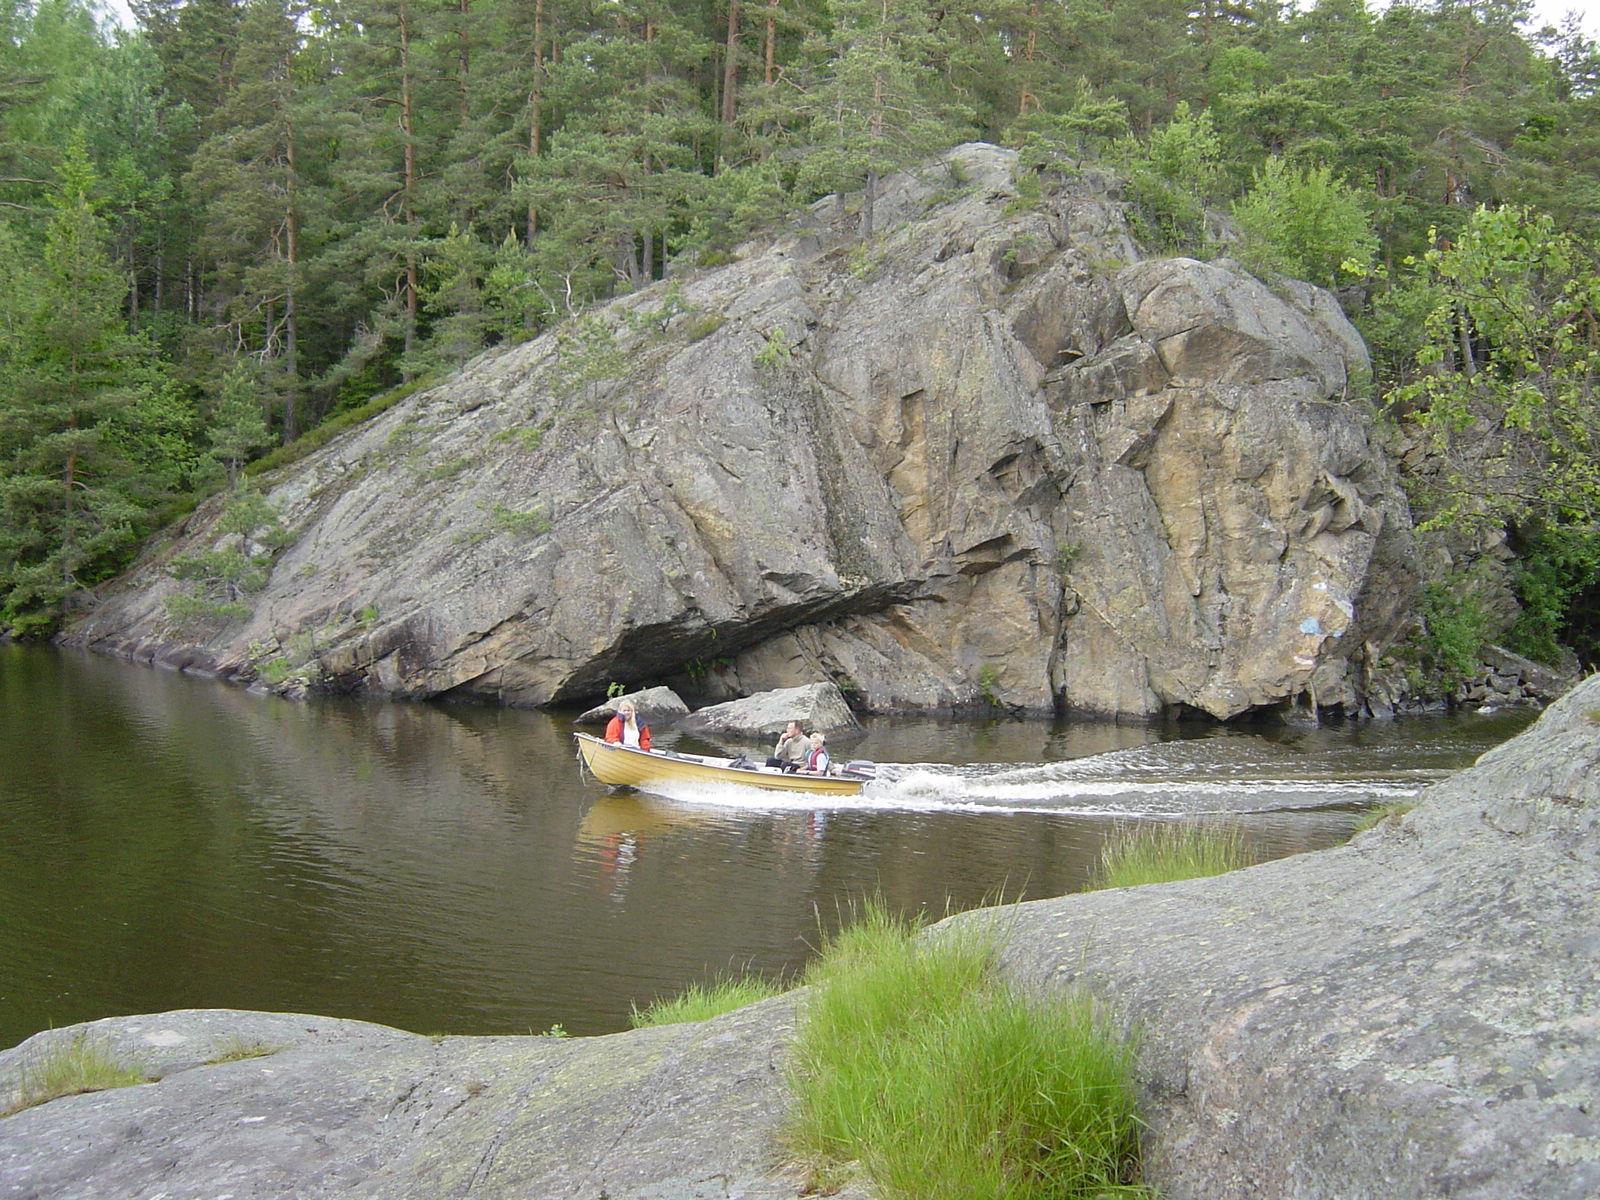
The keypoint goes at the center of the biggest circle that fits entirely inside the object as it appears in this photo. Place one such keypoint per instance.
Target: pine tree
(68, 499)
(866, 100)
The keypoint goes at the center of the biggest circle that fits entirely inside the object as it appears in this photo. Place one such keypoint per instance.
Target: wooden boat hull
(624, 767)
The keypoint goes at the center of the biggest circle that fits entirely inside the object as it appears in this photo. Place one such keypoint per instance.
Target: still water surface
(169, 842)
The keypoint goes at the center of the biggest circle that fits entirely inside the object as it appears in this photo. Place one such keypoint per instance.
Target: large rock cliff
(993, 456)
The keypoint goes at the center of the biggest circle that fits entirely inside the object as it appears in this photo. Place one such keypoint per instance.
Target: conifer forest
(236, 226)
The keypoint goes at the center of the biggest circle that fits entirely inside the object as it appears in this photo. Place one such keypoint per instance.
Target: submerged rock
(817, 706)
(1410, 1015)
(991, 458)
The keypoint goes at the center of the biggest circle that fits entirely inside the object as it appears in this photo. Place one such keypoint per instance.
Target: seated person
(817, 760)
(626, 729)
(792, 748)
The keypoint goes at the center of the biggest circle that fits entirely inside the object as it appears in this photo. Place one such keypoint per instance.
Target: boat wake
(1214, 777)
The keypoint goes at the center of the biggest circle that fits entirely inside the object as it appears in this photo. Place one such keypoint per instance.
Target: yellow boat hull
(624, 767)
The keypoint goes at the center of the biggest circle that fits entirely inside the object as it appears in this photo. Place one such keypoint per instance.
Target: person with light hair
(817, 760)
(626, 729)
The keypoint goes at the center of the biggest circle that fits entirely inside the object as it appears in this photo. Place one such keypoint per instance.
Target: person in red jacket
(625, 728)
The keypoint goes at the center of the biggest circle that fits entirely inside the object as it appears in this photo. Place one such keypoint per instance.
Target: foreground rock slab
(349, 1110)
(1410, 1015)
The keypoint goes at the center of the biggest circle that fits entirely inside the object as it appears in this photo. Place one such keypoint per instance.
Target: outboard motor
(859, 768)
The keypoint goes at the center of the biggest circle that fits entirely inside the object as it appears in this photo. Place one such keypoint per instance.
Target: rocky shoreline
(1407, 1015)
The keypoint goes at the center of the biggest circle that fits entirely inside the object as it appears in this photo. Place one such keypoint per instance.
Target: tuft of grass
(916, 1061)
(70, 1069)
(237, 1050)
(1594, 716)
(702, 1001)
(320, 435)
(1138, 854)
(1377, 816)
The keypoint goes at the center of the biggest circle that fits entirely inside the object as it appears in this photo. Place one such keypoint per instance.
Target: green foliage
(1171, 179)
(989, 684)
(775, 352)
(615, 689)
(78, 395)
(1304, 224)
(238, 425)
(1067, 554)
(1455, 629)
(703, 326)
(1134, 855)
(342, 422)
(1522, 296)
(449, 469)
(220, 580)
(527, 437)
(69, 1069)
(914, 1061)
(1554, 581)
(519, 523)
(702, 1001)
(587, 354)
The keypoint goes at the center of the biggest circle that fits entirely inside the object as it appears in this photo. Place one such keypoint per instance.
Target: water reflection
(170, 842)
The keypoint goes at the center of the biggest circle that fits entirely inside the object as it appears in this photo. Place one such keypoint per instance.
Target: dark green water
(169, 842)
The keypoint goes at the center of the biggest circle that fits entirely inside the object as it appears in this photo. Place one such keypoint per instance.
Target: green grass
(915, 1061)
(702, 1001)
(237, 1050)
(1377, 816)
(69, 1069)
(319, 436)
(1140, 854)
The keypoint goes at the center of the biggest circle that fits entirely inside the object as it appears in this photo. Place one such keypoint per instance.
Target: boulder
(993, 458)
(656, 706)
(817, 706)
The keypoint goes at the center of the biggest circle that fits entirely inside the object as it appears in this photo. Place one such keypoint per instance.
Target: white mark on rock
(1311, 625)
(165, 1037)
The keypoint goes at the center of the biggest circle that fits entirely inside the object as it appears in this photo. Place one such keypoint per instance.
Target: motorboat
(626, 766)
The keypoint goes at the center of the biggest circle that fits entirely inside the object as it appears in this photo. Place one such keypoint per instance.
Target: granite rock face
(988, 458)
(1410, 1015)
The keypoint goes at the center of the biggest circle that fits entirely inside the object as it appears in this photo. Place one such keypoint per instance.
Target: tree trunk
(772, 36)
(409, 200)
(535, 106)
(463, 50)
(730, 63)
(291, 333)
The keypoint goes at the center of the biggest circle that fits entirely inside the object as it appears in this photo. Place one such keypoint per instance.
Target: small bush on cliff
(916, 1061)
(702, 1001)
(1138, 854)
(70, 1068)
